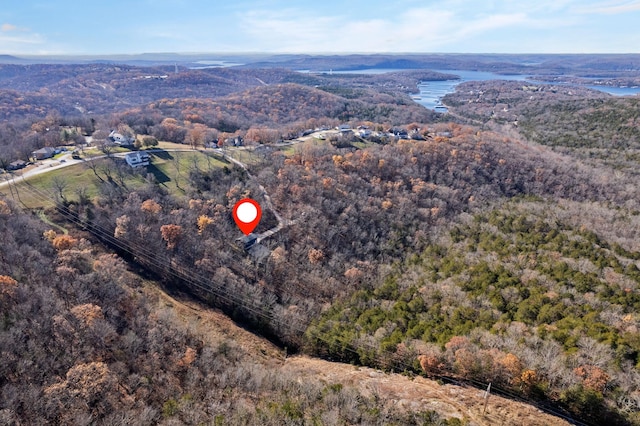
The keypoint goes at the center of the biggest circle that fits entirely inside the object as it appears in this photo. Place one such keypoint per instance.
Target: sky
(99, 27)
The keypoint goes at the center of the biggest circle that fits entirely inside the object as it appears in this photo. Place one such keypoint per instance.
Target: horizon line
(245, 53)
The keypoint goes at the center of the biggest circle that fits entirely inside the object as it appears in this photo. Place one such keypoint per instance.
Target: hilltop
(497, 244)
(77, 90)
(141, 354)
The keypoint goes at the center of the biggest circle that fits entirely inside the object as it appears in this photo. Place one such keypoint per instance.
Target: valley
(419, 256)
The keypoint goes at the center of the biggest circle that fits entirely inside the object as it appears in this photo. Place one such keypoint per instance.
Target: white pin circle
(247, 212)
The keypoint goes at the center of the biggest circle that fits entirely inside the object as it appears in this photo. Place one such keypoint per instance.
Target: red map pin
(247, 215)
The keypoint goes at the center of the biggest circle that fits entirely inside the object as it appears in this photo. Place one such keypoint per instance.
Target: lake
(214, 64)
(430, 92)
(617, 91)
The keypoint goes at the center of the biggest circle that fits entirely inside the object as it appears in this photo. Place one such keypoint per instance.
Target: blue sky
(327, 26)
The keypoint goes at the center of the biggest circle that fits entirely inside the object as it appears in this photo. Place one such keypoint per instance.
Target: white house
(364, 132)
(137, 159)
(120, 139)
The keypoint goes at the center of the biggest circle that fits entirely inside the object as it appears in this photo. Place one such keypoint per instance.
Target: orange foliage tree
(87, 313)
(203, 222)
(315, 256)
(528, 379)
(592, 377)
(64, 242)
(8, 286)
(4, 208)
(511, 366)
(150, 206)
(171, 234)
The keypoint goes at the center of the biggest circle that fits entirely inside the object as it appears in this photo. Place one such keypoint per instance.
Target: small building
(17, 165)
(416, 135)
(399, 133)
(120, 139)
(235, 141)
(248, 241)
(364, 132)
(137, 159)
(43, 153)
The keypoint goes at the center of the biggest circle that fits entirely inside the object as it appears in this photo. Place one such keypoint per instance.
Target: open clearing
(411, 394)
(169, 169)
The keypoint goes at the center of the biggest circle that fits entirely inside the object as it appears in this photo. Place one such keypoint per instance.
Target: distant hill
(9, 59)
(583, 65)
(278, 105)
(99, 88)
(586, 65)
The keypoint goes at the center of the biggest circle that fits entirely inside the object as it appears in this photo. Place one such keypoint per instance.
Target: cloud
(12, 42)
(610, 8)
(5, 28)
(418, 29)
(17, 40)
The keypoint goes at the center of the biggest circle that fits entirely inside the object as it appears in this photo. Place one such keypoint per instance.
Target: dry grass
(411, 394)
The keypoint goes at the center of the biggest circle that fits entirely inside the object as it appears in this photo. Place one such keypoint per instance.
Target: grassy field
(170, 169)
(73, 178)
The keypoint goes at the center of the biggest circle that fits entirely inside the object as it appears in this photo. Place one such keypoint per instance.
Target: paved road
(44, 166)
(66, 160)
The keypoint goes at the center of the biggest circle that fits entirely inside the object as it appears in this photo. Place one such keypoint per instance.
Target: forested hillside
(359, 215)
(72, 90)
(50, 105)
(503, 250)
(85, 341)
(281, 107)
(587, 124)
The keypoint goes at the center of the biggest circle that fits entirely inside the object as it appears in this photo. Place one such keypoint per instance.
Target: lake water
(214, 64)
(617, 91)
(430, 92)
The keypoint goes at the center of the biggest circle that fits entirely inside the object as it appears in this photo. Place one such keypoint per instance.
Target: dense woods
(41, 101)
(37, 90)
(595, 127)
(358, 212)
(503, 250)
(548, 310)
(84, 341)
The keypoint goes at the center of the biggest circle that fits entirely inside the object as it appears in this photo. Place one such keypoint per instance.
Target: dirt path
(411, 394)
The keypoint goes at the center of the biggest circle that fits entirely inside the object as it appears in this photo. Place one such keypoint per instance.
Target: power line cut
(201, 283)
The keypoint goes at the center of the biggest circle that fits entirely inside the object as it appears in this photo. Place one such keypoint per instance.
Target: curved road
(66, 160)
(45, 166)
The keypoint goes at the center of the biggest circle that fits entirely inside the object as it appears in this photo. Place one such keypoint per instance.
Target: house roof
(137, 158)
(45, 150)
(137, 154)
